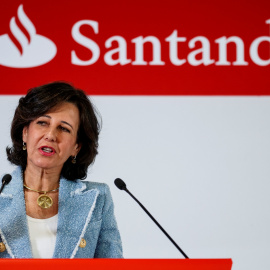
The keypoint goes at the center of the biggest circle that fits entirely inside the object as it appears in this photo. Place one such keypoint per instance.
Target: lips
(47, 150)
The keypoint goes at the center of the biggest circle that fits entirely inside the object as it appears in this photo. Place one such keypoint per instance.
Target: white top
(42, 236)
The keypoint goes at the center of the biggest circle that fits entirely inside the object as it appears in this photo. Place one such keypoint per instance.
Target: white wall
(200, 166)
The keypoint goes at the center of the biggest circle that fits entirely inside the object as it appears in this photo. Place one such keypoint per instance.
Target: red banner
(137, 48)
(118, 264)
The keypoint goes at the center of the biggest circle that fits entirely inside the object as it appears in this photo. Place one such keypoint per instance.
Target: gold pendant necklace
(44, 200)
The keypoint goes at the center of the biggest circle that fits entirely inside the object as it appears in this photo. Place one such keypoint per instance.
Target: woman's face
(52, 138)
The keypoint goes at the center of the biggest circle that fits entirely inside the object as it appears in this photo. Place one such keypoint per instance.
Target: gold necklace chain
(40, 191)
(44, 200)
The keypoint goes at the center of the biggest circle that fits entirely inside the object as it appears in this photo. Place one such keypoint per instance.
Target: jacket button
(2, 247)
(82, 243)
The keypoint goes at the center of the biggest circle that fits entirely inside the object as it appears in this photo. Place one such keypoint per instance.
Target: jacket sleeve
(109, 243)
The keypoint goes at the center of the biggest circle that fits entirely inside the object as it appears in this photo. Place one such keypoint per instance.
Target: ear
(77, 149)
(25, 134)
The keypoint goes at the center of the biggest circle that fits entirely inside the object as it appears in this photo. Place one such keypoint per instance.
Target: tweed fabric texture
(85, 210)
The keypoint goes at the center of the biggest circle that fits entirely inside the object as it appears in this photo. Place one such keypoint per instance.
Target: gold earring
(24, 146)
(73, 160)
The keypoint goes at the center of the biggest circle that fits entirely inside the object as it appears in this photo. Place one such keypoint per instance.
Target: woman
(46, 211)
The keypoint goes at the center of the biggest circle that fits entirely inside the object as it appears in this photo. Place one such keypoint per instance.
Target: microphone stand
(121, 185)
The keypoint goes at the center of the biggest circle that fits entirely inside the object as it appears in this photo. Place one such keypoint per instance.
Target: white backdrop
(199, 164)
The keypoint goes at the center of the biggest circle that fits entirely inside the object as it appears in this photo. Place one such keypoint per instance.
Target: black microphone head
(6, 179)
(120, 184)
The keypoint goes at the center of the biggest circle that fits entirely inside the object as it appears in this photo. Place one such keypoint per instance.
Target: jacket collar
(76, 205)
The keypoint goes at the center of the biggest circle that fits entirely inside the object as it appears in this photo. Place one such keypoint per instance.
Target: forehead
(65, 112)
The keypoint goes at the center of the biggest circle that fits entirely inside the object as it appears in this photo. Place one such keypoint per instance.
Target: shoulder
(104, 193)
(15, 174)
(101, 187)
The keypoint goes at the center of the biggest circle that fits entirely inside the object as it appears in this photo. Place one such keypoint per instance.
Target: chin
(44, 165)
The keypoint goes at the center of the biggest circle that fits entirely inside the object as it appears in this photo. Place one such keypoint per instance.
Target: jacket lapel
(13, 223)
(76, 205)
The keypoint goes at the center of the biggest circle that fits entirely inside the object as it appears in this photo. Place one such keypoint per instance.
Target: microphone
(122, 186)
(5, 180)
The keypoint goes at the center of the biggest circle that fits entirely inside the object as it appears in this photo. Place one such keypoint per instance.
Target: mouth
(46, 150)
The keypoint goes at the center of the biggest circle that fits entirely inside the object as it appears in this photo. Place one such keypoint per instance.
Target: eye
(41, 123)
(64, 129)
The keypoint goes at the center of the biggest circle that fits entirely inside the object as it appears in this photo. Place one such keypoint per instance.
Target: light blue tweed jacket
(85, 211)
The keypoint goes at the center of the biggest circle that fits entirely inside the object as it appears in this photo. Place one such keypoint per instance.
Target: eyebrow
(64, 122)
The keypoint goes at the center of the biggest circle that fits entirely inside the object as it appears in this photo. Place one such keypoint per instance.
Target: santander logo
(35, 51)
(31, 49)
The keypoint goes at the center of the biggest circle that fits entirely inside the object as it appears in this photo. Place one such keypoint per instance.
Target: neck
(41, 179)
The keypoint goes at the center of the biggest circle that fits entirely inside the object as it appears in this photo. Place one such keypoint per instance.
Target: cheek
(32, 137)
(69, 145)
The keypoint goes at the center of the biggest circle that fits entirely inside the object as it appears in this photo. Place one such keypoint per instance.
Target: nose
(51, 135)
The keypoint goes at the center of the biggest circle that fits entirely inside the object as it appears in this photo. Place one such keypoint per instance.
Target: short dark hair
(40, 100)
